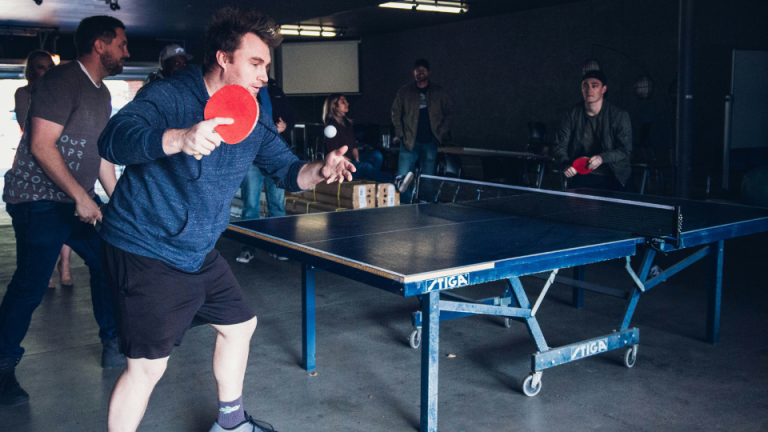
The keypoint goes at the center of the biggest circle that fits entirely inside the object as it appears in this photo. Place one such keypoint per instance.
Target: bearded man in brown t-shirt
(49, 192)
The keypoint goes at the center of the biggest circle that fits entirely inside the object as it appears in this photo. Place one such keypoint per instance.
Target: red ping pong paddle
(580, 165)
(235, 102)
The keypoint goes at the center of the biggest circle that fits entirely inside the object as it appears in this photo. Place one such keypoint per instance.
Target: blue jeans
(369, 168)
(251, 193)
(250, 190)
(425, 154)
(42, 228)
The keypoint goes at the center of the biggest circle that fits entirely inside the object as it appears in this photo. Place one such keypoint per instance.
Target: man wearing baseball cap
(422, 115)
(173, 57)
(599, 131)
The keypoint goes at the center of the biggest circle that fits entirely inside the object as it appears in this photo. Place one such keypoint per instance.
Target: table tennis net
(648, 220)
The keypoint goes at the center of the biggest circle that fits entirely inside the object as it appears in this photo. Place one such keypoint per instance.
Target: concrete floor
(368, 377)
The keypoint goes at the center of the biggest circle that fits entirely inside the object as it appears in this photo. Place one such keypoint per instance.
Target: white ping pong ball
(330, 131)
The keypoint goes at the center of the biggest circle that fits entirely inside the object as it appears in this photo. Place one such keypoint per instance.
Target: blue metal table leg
(645, 267)
(518, 294)
(535, 331)
(508, 294)
(578, 293)
(715, 283)
(515, 288)
(430, 310)
(308, 317)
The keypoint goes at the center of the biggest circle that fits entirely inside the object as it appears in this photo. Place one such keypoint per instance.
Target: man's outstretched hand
(337, 167)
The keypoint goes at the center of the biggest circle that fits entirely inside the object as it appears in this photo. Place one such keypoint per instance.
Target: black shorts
(155, 303)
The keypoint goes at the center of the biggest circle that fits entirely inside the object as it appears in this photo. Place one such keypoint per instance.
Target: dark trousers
(41, 229)
(604, 182)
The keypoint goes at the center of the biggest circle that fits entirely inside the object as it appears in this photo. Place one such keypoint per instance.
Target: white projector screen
(320, 68)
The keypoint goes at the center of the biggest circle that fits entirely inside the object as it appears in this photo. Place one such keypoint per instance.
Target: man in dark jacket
(601, 132)
(169, 209)
(422, 114)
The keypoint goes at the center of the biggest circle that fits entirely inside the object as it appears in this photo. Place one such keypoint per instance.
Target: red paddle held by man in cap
(583, 165)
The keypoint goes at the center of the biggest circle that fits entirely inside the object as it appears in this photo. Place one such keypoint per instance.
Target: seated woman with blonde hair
(367, 163)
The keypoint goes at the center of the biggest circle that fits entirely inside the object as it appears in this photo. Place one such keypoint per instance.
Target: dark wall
(721, 27)
(507, 70)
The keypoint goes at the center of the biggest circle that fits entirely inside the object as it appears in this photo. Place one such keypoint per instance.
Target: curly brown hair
(228, 26)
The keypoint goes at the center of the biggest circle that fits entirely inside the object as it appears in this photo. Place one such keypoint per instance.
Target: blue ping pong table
(469, 233)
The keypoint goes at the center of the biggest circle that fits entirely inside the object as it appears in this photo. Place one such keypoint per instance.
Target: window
(10, 132)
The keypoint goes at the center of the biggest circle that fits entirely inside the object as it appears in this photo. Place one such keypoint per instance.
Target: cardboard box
(386, 195)
(294, 205)
(356, 195)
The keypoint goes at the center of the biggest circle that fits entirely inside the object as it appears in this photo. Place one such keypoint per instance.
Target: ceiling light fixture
(428, 6)
(398, 5)
(310, 30)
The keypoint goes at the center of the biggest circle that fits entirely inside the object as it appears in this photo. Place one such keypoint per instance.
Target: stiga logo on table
(588, 349)
(448, 282)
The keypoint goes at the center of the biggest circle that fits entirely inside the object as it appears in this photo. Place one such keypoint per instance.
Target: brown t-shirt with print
(65, 95)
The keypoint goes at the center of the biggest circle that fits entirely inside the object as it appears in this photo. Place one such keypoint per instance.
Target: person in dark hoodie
(169, 209)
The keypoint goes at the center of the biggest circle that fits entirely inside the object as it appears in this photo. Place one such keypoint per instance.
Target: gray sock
(231, 414)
